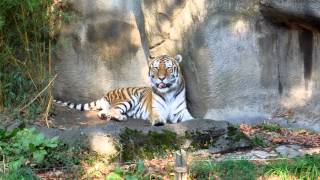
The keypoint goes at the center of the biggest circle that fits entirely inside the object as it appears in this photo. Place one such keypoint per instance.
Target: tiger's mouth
(163, 85)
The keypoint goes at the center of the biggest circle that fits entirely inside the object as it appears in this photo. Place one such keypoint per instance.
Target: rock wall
(100, 50)
(246, 60)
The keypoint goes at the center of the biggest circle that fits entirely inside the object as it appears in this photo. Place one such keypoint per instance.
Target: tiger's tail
(94, 105)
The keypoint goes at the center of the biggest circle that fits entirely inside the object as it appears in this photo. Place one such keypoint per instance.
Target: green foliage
(307, 167)
(116, 174)
(235, 135)
(61, 156)
(26, 41)
(207, 169)
(240, 169)
(201, 140)
(24, 150)
(22, 147)
(258, 141)
(138, 173)
(270, 127)
(137, 145)
(203, 169)
(279, 168)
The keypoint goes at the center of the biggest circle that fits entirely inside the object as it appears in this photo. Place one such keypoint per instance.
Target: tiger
(163, 102)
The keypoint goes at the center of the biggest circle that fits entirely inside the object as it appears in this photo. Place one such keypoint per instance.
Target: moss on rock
(136, 144)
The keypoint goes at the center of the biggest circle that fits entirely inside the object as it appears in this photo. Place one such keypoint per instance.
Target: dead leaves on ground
(282, 136)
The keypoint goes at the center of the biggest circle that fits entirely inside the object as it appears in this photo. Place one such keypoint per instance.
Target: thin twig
(39, 94)
(4, 163)
(47, 110)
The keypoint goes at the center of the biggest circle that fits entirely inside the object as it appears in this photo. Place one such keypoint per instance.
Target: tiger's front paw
(120, 117)
(158, 124)
(157, 120)
(111, 114)
(104, 115)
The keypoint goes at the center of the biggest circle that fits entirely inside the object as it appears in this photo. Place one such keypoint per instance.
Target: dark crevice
(141, 27)
(157, 44)
(306, 47)
(280, 87)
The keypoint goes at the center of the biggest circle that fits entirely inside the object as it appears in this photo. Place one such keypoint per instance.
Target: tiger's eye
(170, 70)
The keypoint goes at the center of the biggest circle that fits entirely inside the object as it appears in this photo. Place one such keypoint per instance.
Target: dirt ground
(68, 118)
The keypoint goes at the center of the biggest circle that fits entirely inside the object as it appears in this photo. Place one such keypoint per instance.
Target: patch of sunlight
(103, 145)
(240, 27)
(298, 96)
(185, 18)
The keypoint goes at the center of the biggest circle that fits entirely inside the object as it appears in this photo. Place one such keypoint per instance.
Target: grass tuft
(270, 127)
(307, 167)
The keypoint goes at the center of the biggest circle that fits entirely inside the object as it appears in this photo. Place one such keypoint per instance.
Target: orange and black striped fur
(163, 102)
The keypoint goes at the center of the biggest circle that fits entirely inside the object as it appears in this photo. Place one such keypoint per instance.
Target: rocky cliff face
(243, 60)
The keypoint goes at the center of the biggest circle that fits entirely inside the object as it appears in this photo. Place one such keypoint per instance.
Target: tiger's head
(165, 74)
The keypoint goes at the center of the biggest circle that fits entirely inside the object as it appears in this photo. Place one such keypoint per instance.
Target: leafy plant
(23, 149)
(270, 127)
(136, 174)
(116, 174)
(203, 169)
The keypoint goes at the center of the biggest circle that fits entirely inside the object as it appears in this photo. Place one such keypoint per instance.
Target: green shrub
(203, 169)
(22, 151)
(23, 148)
(136, 174)
(26, 41)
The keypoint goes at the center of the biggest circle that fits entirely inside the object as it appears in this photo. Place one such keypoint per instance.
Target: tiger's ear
(178, 58)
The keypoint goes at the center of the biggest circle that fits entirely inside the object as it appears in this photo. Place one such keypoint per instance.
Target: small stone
(261, 154)
(224, 144)
(288, 151)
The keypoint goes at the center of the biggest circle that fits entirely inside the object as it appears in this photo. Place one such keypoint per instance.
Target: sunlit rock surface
(244, 61)
(107, 138)
(99, 51)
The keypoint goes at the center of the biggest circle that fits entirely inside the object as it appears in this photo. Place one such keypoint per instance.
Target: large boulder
(135, 138)
(99, 50)
(239, 64)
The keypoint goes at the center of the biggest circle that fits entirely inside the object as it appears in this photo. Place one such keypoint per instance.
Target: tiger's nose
(161, 77)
